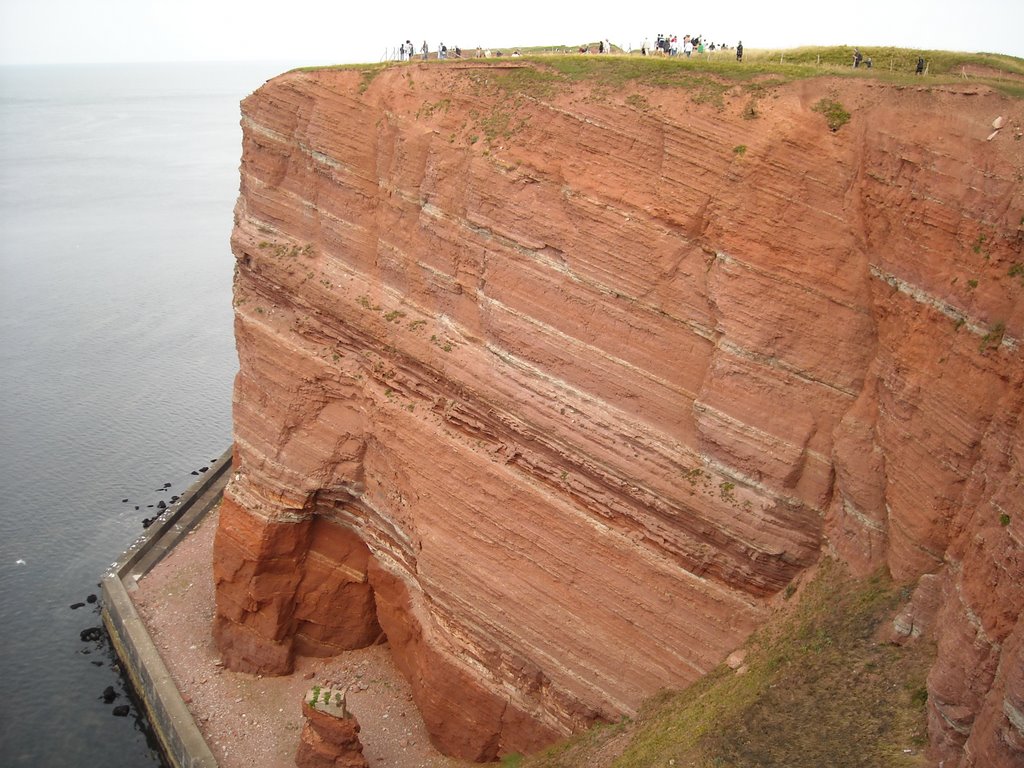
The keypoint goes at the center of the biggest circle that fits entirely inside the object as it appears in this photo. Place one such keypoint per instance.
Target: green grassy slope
(819, 690)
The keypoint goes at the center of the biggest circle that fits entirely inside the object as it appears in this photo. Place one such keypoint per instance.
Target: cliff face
(556, 385)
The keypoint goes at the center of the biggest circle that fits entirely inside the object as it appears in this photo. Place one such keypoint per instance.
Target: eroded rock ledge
(556, 386)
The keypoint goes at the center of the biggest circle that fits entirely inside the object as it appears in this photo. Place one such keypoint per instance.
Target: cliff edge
(556, 384)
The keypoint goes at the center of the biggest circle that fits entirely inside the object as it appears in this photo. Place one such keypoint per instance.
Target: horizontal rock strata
(554, 385)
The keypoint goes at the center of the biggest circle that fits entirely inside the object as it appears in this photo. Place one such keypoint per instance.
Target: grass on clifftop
(719, 69)
(889, 64)
(819, 691)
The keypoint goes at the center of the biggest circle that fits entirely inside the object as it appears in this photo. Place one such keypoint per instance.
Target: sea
(117, 184)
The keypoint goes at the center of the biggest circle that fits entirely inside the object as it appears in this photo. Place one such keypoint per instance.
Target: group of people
(669, 46)
(666, 44)
(858, 57)
(406, 51)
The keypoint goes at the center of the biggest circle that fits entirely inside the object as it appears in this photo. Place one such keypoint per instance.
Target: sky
(333, 31)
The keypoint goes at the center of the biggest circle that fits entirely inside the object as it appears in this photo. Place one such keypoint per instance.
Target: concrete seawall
(177, 732)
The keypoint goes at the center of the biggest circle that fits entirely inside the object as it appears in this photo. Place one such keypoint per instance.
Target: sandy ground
(255, 721)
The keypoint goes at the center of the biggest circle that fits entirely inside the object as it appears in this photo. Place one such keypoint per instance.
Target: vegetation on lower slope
(819, 690)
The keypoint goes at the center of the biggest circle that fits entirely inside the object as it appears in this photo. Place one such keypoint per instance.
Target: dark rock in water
(174, 498)
(90, 634)
(161, 505)
(91, 599)
(121, 710)
(76, 606)
(124, 501)
(167, 485)
(96, 663)
(194, 472)
(109, 694)
(146, 522)
(213, 461)
(149, 506)
(136, 506)
(204, 469)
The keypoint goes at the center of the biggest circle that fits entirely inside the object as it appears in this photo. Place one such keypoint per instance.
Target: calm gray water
(116, 360)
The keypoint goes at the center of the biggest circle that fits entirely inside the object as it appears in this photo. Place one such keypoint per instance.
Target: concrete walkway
(179, 736)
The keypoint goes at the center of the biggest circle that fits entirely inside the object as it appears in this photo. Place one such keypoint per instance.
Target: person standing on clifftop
(739, 51)
(425, 50)
(920, 65)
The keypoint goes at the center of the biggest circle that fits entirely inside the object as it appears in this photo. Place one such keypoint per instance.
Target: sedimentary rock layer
(555, 385)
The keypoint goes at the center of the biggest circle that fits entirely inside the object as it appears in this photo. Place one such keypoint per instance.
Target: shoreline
(180, 739)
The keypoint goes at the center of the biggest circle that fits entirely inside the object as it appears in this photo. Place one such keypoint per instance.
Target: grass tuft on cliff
(819, 690)
(835, 114)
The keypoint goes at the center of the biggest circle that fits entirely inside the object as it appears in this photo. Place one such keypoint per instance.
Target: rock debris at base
(256, 721)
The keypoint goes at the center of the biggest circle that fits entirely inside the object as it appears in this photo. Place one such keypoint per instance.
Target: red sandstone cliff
(555, 385)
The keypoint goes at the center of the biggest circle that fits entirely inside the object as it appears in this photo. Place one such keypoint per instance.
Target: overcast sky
(335, 31)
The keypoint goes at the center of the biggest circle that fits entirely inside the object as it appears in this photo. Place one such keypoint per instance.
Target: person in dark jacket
(739, 51)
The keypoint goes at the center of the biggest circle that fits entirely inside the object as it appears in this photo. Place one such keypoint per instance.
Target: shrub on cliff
(835, 115)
